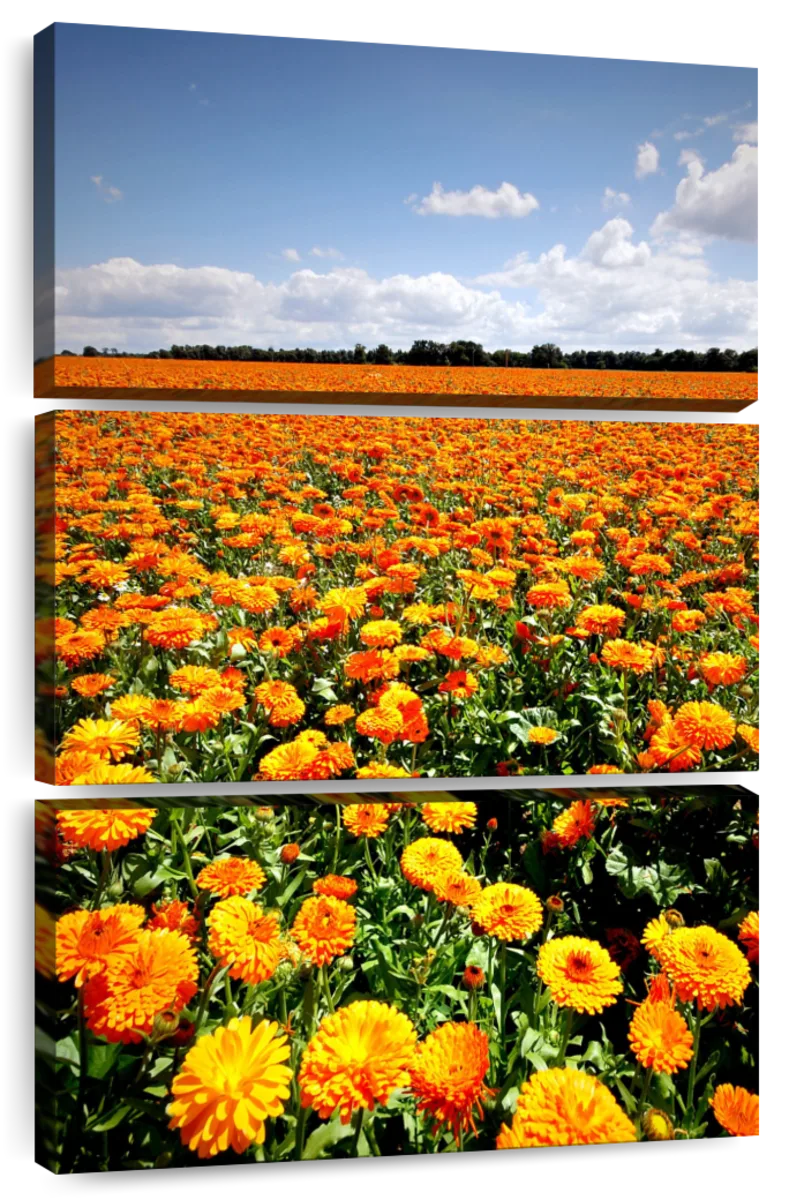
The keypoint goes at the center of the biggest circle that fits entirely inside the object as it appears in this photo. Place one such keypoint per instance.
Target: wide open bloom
(704, 725)
(622, 655)
(245, 939)
(365, 820)
(574, 823)
(449, 816)
(359, 1056)
(601, 618)
(549, 595)
(748, 934)
(84, 941)
(231, 877)
(103, 739)
(174, 914)
(175, 628)
(324, 927)
(508, 911)
(281, 702)
(458, 888)
(565, 1107)
(103, 828)
(580, 973)
(737, 1110)
(342, 887)
(447, 1076)
(704, 966)
(424, 861)
(159, 973)
(660, 1038)
(717, 667)
(232, 1081)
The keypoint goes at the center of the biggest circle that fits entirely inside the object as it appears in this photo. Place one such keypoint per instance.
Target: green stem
(206, 996)
(324, 974)
(179, 833)
(369, 859)
(689, 1115)
(230, 1008)
(357, 1129)
(337, 837)
(301, 1125)
(106, 866)
(568, 1025)
(645, 1089)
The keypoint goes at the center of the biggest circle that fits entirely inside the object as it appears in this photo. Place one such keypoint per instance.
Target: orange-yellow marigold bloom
(365, 820)
(717, 667)
(622, 655)
(342, 887)
(174, 914)
(565, 1107)
(324, 927)
(580, 973)
(657, 929)
(359, 1056)
(103, 828)
(704, 725)
(549, 595)
(660, 1038)
(508, 911)
(458, 888)
(103, 739)
(425, 860)
(91, 685)
(159, 973)
(231, 1082)
(281, 702)
(245, 939)
(448, 1073)
(704, 966)
(84, 940)
(601, 618)
(737, 1110)
(449, 816)
(231, 877)
(750, 736)
(574, 823)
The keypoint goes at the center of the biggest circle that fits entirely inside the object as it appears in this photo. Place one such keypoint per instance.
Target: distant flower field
(406, 973)
(296, 598)
(108, 372)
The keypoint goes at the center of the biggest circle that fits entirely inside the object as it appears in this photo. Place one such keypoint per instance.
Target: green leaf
(110, 1122)
(326, 1136)
(102, 1058)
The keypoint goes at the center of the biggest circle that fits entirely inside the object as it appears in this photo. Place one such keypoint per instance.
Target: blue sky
(196, 174)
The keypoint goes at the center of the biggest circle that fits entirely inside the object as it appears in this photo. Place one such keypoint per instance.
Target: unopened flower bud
(473, 977)
(657, 1126)
(165, 1024)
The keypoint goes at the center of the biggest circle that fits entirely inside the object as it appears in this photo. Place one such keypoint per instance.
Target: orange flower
(565, 1107)
(324, 927)
(231, 1082)
(426, 860)
(381, 723)
(601, 618)
(659, 1037)
(195, 679)
(449, 816)
(580, 973)
(380, 634)
(174, 914)
(705, 726)
(365, 820)
(668, 748)
(281, 702)
(447, 1076)
(175, 629)
(750, 736)
(159, 973)
(461, 684)
(458, 888)
(245, 939)
(103, 739)
(507, 911)
(289, 852)
(339, 886)
(103, 828)
(748, 934)
(704, 966)
(717, 667)
(549, 595)
(688, 621)
(622, 655)
(85, 941)
(360, 1055)
(574, 823)
(542, 735)
(91, 685)
(338, 714)
(657, 929)
(737, 1110)
(231, 877)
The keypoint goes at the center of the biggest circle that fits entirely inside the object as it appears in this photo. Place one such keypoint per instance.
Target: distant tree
(359, 353)
(382, 355)
(90, 352)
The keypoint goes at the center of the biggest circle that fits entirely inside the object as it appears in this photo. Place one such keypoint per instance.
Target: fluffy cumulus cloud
(746, 131)
(480, 201)
(647, 160)
(613, 199)
(616, 291)
(720, 203)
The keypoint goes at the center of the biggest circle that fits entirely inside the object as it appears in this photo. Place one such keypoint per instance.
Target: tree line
(426, 353)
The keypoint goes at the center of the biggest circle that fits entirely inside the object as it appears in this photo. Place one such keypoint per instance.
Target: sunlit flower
(281, 702)
(737, 1110)
(103, 739)
(425, 860)
(574, 823)
(342, 887)
(565, 1107)
(103, 828)
(580, 973)
(508, 911)
(660, 1038)
(449, 816)
(717, 667)
(360, 1055)
(704, 966)
(704, 725)
(231, 877)
(245, 939)
(458, 888)
(601, 618)
(174, 914)
(324, 927)
(85, 941)
(231, 1082)
(365, 820)
(447, 1076)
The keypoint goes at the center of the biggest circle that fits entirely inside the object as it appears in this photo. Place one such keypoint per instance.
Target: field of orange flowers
(404, 973)
(298, 598)
(110, 373)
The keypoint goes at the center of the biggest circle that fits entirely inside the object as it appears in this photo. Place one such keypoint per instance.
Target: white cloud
(291, 255)
(720, 203)
(748, 132)
(688, 156)
(613, 199)
(684, 135)
(108, 193)
(615, 292)
(507, 201)
(647, 160)
(325, 252)
(718, 119)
